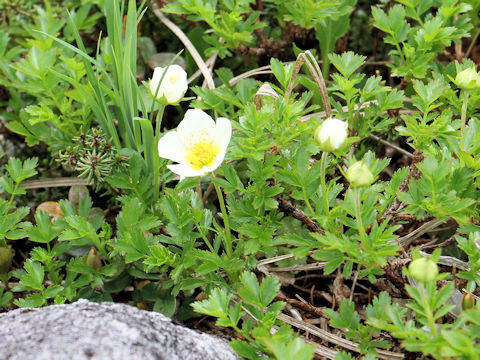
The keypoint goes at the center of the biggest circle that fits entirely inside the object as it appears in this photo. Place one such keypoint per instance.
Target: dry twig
(188, 45)
(290, 209)
(55, 182)
(334, 339)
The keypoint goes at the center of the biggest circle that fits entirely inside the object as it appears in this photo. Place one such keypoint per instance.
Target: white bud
(331, 134)
(174, 84)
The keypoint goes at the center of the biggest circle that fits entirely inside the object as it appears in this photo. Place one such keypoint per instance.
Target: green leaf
(159, 256)
(11, 225)
(282, 72)
(216, 304)
(193, 283)
(293, 349)
(53, 291)
(250, 292)
(44, 231)
(269, 289)
(166, 305)
(244, 349)
(347, 63)
(32, 301)
(347, 318)
(35, 274)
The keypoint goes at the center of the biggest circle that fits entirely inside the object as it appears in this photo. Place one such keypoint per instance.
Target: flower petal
(184, 170)
(216, 164)
(331, 134)
(155, 81)
(223, 133)
(170, 146)
(173, 86)
(194, 122)
(175, 93)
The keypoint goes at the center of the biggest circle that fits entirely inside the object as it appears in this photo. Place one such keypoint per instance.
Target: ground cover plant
(302, 177)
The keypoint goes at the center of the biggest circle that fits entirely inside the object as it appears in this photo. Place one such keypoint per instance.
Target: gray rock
(87, 330)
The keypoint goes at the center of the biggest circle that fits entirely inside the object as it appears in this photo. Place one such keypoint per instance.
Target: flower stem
(198, 189)
(158, 120)
(464, 120)
(156, 166)
(323, 169)
(307, 202)
(204, 237)
(228, 235)
(358, 215)
(428, 311)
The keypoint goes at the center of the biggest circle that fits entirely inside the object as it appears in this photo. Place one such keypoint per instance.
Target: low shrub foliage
(276, 163)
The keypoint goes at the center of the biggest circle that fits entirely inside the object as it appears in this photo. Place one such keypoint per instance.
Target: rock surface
(87, 330)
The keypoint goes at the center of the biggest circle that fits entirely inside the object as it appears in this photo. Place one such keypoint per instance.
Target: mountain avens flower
(198, 144)
(359, 174)
(331, 134)
(174, 84)
(423, 269)
(468, 79)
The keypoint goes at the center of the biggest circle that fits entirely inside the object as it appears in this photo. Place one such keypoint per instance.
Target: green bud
(468, 79)
(423, 269)
(6, 257)
(468, 301)
(93, 260)
(359, 174)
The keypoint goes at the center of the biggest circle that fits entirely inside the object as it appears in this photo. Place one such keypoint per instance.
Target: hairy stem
(464, 120)
(228, 235)
(156, 166)
(358, 214)
(323, 169)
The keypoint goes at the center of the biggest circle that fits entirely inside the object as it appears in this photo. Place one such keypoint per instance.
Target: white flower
(174, 84)
(198, 144)
(331, 134)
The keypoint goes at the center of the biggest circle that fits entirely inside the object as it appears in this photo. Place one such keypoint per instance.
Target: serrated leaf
(216, 305)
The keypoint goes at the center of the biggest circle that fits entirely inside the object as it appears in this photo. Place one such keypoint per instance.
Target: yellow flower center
(201, 150)
(172, 79)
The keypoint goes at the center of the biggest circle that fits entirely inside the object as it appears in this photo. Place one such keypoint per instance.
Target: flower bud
(359, 174)
(468, 79)
(6, 257)
(331, 135)
(93, 260)
(174, 84)
(468, 301)
(423, 269)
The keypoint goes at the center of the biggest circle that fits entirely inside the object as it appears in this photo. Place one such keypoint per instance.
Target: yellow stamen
(172, 80)
(201, 151)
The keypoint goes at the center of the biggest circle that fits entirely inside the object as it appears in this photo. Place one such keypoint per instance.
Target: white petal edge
(176, 69)
(184, 170)
(170, 146)
(175, 94)
(194, 121)
(155, 81)
(223, 133)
